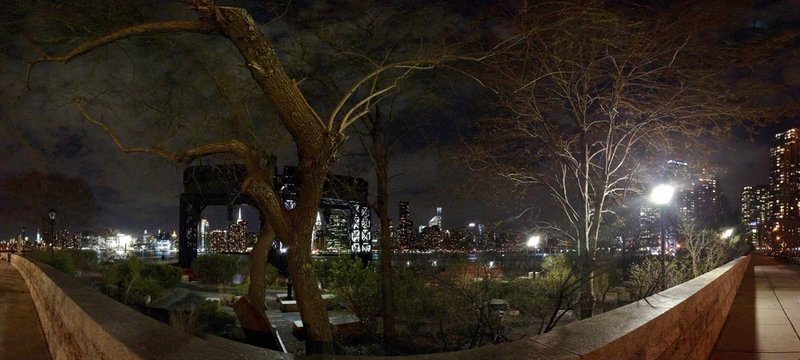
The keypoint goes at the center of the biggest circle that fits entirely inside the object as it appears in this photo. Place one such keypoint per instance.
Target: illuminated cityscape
(697, 199)
(771, 213)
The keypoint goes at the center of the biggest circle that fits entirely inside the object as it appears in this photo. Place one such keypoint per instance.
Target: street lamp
(21, 243)
(533, 241)
(726, 234)
(660, 196)
(52, 216)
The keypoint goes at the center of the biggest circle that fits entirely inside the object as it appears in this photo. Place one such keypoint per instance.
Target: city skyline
(45, 133)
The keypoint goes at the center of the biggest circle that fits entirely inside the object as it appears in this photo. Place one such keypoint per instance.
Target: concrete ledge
(80, 323)
(288, 306)
(682, 322)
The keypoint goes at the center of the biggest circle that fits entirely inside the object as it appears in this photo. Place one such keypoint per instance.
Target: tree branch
(143, 29)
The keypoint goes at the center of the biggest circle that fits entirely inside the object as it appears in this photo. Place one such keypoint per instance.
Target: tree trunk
(311, 174)
(587, 299)
(316, 147)
(387, 248)
(585, 255)
(380, 157)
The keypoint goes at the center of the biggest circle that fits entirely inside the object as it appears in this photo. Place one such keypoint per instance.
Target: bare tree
(317, 139)
(706, 248)
(588, 94)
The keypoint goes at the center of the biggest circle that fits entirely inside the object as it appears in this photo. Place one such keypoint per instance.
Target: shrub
(131, 281)
(60, 260)
(359, 286)
(271, 273)
(84, 259)
(216, 269)
(166, 276)
(207, 317)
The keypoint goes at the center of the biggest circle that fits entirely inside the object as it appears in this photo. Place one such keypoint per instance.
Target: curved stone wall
(80, 323)
(682, 322)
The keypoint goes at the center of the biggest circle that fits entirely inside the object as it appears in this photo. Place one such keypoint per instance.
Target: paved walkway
(21, 335)
(765, 317)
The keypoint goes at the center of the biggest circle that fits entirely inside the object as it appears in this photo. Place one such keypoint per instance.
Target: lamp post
(533, 243)
(52, 216)
(21, 243)
(660, 196)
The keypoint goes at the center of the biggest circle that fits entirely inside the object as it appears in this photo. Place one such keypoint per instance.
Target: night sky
(43, 132)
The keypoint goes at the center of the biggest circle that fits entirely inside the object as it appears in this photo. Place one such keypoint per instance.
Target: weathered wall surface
(80, 323)
(682, 322)
(679, 323)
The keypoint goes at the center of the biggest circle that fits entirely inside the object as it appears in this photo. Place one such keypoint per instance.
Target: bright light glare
(662, 194)
(533, 241)
(727, 233)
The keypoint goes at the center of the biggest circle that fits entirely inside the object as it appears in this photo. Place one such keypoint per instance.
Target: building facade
(784, 186)
(756, 212)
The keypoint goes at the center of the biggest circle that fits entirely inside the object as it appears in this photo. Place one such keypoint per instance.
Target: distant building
(203, 235)
(784, 184)
(755, 213)
(697, 198)
(702, 200)
(236, 239)
(437, 219)
(405, 226)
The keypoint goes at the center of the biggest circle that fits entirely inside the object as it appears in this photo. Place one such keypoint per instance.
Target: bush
(215, 269)
(359, 286)
(131, 281)
(206, 318)
(60, 260)
(84, 259)
(271, 273)
(166, 276)
(648, 277)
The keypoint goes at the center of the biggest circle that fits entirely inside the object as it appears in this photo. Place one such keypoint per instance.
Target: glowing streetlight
(726, 234)
(52, 216)
(533, 241)
(662, 194)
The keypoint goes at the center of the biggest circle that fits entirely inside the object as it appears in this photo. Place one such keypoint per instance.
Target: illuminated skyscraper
(702, 200)
(697, 199)
(436, 220)
(784, 183)
(755, 213)
(405, 227)
(203, 232)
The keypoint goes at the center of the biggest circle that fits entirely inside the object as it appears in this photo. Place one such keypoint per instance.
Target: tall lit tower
(436, 220)
(755, 213)
(405, 226)
(203, 232)
(784, 183)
